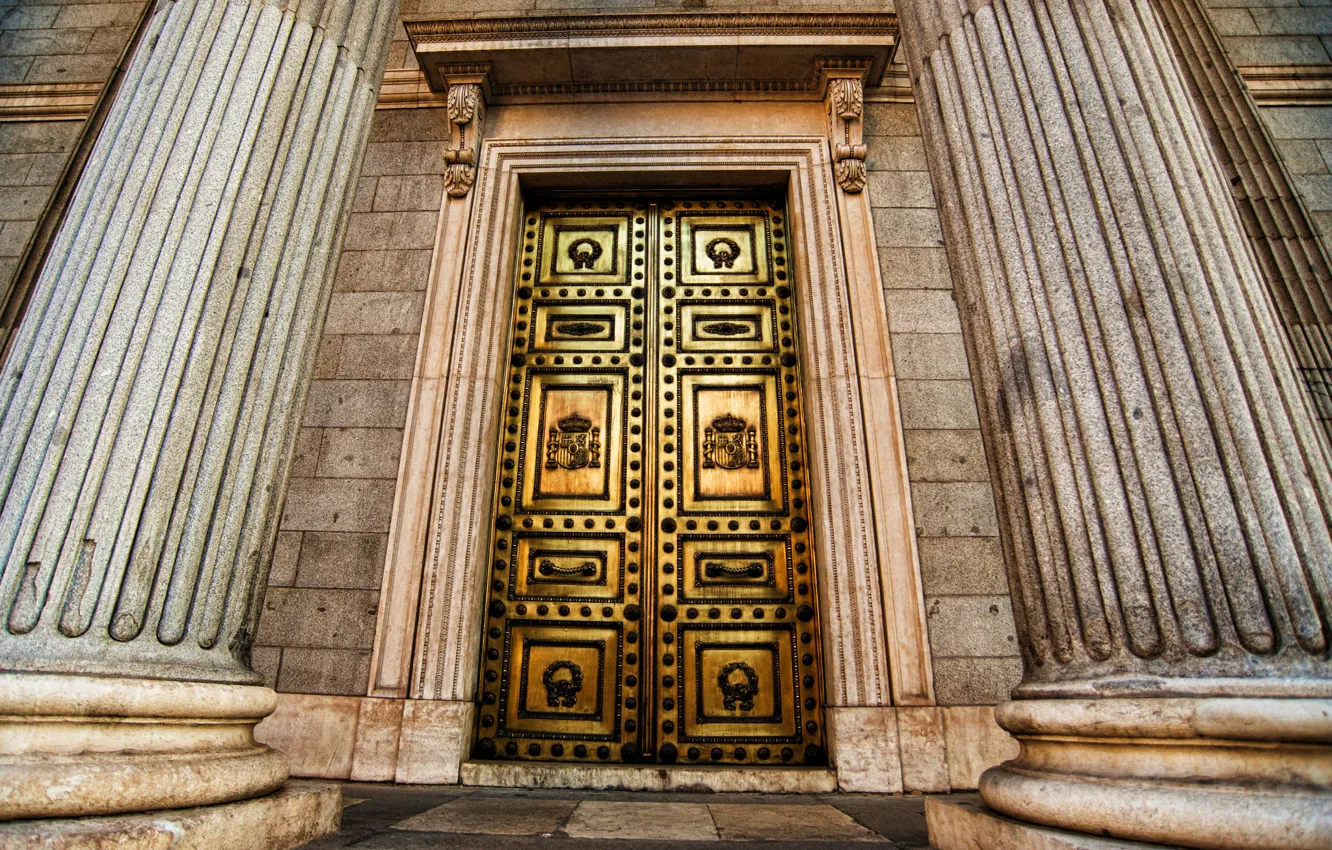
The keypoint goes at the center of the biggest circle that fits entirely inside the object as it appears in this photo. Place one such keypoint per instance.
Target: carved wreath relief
(739, 685)
(652, 588)
(562, 680)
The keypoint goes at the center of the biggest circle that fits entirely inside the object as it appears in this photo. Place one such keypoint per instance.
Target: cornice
(682, 55)
(657, 24)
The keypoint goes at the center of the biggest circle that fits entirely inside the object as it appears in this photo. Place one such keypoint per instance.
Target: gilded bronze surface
(652, 596)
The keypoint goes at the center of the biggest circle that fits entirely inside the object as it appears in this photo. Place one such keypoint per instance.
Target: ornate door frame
(875, 646)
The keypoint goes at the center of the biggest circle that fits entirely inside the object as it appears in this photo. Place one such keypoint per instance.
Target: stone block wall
(972, 636)
(1294, 37)
(44, 43)
(32, 158)
(318, 623)
(51, 41)
(1303, 137)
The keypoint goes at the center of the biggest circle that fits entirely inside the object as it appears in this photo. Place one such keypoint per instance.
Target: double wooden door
(651, 596)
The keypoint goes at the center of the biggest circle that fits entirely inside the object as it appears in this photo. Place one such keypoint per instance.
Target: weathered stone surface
(930, 357)
(866, 750)
(338, 504)
(924, 751)
(909, 228)
(381, 313)
(360, 453)
(288, 818)
(975, 681)
(956, 509)
(377, 357)
(321, 670)
(937, 404)
(336, 559)
(921, 311)
(962, 565)
(971, 626)
(352, 404)
(378, 270)
(340, 619)
(952, 455)
(914, 268)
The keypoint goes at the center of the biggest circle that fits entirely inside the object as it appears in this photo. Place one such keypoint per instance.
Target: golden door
(652, 587)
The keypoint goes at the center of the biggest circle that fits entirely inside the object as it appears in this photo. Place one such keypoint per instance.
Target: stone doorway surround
(426, 645)
(446, 476)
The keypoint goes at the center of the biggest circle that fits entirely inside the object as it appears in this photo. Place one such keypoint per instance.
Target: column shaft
(152, 396)
(1164, 492)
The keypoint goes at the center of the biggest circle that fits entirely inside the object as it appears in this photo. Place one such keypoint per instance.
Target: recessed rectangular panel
(562, 681)
(720, 568)
(731, 442)
(729, 326)
(559, 326)
(586, 248)
(570, 567)
(573, 442)
(724, 248)
(738, 682)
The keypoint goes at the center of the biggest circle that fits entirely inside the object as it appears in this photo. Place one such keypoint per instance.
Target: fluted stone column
(1163, 490)
(149, 407)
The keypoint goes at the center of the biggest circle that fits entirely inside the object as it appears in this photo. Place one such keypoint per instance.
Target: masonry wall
(318, 622)
(972, 636)
(42, 44)
(1292, 38)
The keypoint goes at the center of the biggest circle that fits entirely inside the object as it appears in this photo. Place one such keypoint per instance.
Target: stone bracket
(846, 111)
(467, 94)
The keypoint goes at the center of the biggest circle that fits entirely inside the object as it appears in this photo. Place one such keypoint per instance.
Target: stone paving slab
(389, 817)
(774, 822)
(493, 816)
(642, 821)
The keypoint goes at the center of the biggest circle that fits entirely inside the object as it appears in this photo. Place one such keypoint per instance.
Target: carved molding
(444, 495)
(710, 24)
(48, 101)
(467, 112)
(846, 111)
(555, 57)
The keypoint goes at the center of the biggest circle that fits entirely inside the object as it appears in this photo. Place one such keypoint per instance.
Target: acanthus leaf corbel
(467, 112)
(846, 109)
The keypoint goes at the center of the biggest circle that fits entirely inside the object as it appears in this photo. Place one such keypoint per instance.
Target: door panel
(653, 591)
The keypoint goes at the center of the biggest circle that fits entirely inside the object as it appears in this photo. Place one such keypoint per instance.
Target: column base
(1214, 774)
(79, 746)
(298, 812)
(969, 825)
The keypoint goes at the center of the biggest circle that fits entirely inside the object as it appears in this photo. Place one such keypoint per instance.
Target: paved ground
(421, 817)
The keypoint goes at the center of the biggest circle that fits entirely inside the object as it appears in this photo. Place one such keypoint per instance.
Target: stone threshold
(768, 780)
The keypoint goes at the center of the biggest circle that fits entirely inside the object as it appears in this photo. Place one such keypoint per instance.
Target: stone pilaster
(1164, 493)
(151, 399)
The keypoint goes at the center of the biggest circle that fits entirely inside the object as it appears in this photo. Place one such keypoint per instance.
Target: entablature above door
(689, 56)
